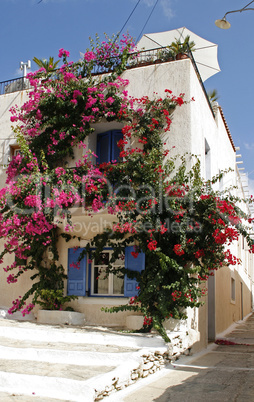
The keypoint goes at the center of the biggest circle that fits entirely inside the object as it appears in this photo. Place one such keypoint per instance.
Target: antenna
(24, 66)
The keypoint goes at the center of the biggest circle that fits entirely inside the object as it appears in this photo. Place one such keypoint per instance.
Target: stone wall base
(54, 317)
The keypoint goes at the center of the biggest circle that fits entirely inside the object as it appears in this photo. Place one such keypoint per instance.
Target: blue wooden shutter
(133, 264)
(104, 147)
(115, 151)
(76, 277)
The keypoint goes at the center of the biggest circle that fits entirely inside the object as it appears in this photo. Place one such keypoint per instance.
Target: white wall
(6, 133)
(192, 122)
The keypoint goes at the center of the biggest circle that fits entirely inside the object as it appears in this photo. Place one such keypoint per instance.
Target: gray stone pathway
(221, 373)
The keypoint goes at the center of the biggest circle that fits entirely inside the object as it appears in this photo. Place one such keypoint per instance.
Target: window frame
(81, 283)
(110, 278)
(14, 150)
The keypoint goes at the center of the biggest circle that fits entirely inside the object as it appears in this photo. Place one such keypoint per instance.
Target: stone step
(45, 369)
(14, 397)
(17, 343)
(71, 363)
(50, 387)
(65, 356)
(77, 335)
(63, 381)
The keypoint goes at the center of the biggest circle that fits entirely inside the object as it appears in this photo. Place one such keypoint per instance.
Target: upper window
(107, 149)
(14, 151)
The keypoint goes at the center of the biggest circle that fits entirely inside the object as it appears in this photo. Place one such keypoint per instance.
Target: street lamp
(224, 24)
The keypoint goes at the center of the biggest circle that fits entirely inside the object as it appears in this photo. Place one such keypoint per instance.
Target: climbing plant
(180, 223)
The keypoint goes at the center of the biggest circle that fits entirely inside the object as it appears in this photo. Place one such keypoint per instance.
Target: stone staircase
(50, 363)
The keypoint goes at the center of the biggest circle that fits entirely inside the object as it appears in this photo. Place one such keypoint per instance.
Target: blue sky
(29, 28)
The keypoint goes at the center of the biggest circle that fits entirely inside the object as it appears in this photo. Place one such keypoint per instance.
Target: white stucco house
(198, 128)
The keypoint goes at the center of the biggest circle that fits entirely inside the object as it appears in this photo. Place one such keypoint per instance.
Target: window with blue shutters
(107, 149)
(101, 283)
(76, 273)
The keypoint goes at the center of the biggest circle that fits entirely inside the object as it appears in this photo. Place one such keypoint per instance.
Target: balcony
(140, 58)
(14, 85)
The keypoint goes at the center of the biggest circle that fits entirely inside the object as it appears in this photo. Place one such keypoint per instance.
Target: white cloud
(167, 8)
(149, 3)
(165, 4)
(18, 72)
(249, 146)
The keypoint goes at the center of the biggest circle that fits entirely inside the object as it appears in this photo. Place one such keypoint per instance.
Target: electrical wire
(128, 18)
(157, 1)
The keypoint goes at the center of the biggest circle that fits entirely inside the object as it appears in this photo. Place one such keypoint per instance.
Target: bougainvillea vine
(180, 223)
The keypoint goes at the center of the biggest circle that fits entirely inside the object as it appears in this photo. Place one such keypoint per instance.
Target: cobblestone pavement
(224, 372)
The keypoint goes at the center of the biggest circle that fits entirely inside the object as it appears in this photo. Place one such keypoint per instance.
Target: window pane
(104, 284)
(116, 136)
(103, 147)
(102, 259)
(100, 284)
(118, 285)
(119, 261)
(233, 289)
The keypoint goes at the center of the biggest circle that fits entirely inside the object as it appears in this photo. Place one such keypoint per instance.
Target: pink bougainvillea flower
(88, 56)
(63, 52)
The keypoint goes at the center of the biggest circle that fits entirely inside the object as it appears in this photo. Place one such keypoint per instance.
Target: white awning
(205, 53)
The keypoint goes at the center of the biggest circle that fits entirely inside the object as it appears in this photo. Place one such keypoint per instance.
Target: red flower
(176, 295)
(133, 299)
(199, 253)
(152, 244)
(155, 121)
(134, 254)
(178, 249)
(147, 321)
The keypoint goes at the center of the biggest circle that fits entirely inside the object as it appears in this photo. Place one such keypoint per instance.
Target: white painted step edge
(77, 358)
(89, 337)
(50, 387)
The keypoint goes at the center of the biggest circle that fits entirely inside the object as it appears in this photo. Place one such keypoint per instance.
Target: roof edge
(227, 128)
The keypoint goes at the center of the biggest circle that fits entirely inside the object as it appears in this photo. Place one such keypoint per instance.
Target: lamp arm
(242, 9)
(238, 11)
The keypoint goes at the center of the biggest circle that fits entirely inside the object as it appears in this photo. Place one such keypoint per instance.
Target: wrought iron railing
(162, 54)
(14, 85)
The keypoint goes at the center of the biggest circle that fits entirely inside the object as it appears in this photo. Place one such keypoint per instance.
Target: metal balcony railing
(144, 57)
(14, 85)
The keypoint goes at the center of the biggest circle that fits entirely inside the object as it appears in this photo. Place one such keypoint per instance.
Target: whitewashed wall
(193, 124)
